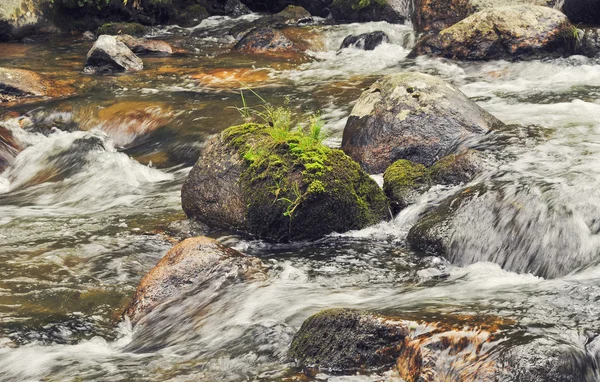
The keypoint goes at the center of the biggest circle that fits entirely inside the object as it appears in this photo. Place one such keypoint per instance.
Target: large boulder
(365, 41)
(412, 116)
(515, 32)
(146, 46)
(20, 18)
(265, 40)
(280, 185)
(435, 15)
(521, 226)
(392, 11)
(188, 267)
(582, 11)
(110, 55)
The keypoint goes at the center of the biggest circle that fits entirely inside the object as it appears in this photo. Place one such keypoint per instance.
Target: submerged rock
(435, 15)
(582, 11)
(146, 46)
(392, 11)
(124, 122)
(347, 340)
(279, 185)
(523, 32)
(9, 147)
(19, 83)
(365, 41)
(412, 116)
(190, 265)
(110, 55)
(265, 40)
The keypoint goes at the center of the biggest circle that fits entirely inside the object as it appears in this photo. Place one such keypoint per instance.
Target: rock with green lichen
(280, 185)
(513, 32)
(347, 340)
(369, 10)
(132, 29)
(403, 182)
(435, 15)
(412, 116)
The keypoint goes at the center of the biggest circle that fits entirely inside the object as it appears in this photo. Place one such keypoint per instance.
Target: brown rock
(123, 122)
(146, 46)
(265, 40)
(189, 265)
(9, 147)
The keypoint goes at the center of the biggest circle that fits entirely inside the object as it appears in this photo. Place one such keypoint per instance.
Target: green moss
(191, 16)
(297, 188)
(133, 29)
(402, 180)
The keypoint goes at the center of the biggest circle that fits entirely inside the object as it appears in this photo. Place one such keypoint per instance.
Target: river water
(92, 204)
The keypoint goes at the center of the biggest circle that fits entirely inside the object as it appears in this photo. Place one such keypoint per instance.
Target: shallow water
(90, 206)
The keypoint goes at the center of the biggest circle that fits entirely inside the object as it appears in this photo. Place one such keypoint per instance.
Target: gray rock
(110, 55)
(412, 116)
(514, 32)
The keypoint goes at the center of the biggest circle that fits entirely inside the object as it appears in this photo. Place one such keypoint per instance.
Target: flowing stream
(93, 202)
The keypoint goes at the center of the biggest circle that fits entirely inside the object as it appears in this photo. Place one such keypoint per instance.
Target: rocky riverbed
(226, 191)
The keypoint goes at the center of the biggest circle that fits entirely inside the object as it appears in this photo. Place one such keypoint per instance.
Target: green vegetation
(289, 174)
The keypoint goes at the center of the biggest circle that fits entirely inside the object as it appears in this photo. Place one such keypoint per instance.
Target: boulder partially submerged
(412, 116)
(280, 185)
(464, 349)
(365, 41)
(110, 55)
(9, 147)
(190, 265)
(265, 40)
(514, 32)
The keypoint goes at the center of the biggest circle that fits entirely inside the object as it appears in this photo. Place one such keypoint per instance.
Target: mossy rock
(280, 185)
(512, 32)
(132, 29)
(366, 10)
(191, 16)
(347, 340)
(403, 181)
(292, 14)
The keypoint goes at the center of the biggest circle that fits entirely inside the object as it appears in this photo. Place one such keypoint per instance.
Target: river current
(90, 205)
